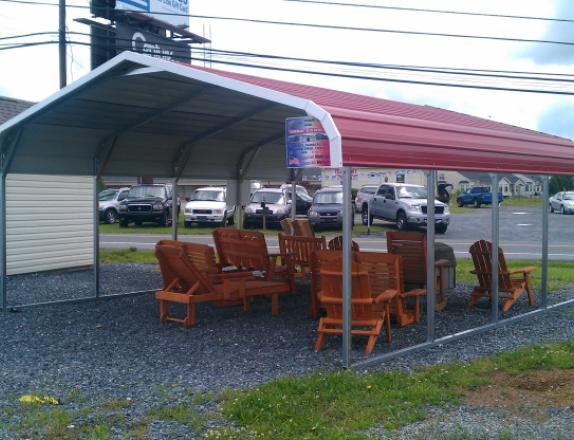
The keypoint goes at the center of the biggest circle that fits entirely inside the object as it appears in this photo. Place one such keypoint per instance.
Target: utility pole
(62, 42)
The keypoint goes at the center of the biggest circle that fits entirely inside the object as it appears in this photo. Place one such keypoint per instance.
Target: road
(520, 235)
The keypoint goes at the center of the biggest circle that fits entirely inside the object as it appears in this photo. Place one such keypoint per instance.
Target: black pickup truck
(147, 203)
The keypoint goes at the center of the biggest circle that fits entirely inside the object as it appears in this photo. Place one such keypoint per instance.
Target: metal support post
(237, 213)
(544, 281)
(368, 216)
(347, 256)
(62, 42)
(294, 198)
(431, 294)
(96, 232)
(495, 244)
(174, 211)
(3, 265)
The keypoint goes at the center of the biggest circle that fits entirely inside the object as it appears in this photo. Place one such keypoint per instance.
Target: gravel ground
(118, 348)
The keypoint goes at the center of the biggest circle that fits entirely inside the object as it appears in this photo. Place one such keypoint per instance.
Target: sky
(32, 73)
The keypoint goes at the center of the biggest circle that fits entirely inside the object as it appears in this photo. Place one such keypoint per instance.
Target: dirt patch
(530, 395)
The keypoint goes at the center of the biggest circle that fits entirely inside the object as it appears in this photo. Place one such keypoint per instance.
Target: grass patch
(560, 273)
(344, 405)
(510, 202)
(182, 413)
(127, 256)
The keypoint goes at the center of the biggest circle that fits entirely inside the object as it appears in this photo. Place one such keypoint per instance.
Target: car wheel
(402, 221)
(138, 222)
(164, 220)
(124, 223)
(477, 203)
(460, 204)
(231, 220)
(561, 210)
(441, 229)
(224, 221)
(365, 215)
(187, 224)
(246, 224)
(551, 208)
(111, 216)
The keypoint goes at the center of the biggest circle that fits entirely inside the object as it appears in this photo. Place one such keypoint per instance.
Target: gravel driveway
(118, 348)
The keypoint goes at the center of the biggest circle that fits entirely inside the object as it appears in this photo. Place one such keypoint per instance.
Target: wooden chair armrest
(523, 270)
(439, 264)
(413, 293)
(386, 296)
(330, 300)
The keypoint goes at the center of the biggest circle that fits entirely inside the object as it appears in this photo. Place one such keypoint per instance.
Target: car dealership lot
(520, 234)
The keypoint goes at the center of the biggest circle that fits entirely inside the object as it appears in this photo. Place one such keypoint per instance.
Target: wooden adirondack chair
(511, 284)
(336, 244)
(322, 260)
(386, 278)
(185, 284)
(286, 226)
(366, 318)
(220, 234)
(412, 247)
(302, 227)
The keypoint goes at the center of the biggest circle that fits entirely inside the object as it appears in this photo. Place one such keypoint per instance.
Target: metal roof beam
(184, 153)
(108, 144)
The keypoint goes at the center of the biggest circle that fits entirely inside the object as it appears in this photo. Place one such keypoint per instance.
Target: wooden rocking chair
(366, 318)
(412, 246)
(336, 244)
(302, 227)
(511, 284)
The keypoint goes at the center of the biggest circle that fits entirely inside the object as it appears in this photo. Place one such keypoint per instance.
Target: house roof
(10, 107)
(137, 115)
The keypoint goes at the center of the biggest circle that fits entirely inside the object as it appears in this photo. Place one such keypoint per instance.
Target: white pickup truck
(208, 206)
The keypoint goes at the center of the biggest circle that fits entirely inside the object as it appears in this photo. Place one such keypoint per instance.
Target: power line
(23, 45)
(423, 69)
(374, 78)
(328, 26)
(435, 11)
(28, 35)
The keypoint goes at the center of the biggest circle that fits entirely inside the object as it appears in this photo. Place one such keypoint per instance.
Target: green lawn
(510, 202)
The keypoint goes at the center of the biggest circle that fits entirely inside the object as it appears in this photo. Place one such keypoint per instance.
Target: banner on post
(307, 143)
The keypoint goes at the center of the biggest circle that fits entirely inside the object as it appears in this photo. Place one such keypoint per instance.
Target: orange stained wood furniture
(336, 244)
(511, 284)
(246, 250)
(412, 246)
(302, 227)
(189, 286)
(386, 278)
(286, 226)
(218, 235)
(299, 250)
(366, 318)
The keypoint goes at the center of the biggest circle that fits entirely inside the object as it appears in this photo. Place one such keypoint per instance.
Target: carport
(137, 115)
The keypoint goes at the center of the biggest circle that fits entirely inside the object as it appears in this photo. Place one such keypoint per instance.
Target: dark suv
(146, 203)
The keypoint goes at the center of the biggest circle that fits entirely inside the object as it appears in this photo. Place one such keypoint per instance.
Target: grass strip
(343, 404)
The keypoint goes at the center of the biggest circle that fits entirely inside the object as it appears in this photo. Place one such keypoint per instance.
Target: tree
(560, 183)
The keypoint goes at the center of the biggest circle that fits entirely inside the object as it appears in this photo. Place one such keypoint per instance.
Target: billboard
(152, 7)
(307, 143)
(136, 40)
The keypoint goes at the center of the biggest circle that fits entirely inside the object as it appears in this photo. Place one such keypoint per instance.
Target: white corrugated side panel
(49, 222)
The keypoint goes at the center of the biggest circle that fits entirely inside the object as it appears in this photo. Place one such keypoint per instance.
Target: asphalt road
(520, 235)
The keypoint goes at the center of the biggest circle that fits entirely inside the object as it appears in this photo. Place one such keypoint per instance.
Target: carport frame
(12, 131)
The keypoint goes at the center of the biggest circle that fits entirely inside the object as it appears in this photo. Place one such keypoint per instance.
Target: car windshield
(145, 192)
(107, 194)
(267, 197)
(411, 192)
(328, 197)
(369, 189)
(208, 195)
(568, 196)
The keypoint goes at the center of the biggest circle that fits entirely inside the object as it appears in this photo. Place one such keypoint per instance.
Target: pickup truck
(477, 196)
(146, 203)
(406, 205)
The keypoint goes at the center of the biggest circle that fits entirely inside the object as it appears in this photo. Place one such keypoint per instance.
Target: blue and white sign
(157, 9)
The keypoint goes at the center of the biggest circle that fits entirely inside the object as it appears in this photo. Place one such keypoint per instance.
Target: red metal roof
(382, 133)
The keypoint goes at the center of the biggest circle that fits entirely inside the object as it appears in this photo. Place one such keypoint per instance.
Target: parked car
(274, 200)
(208, 205)
(108, 202)
(147, 203)
(327, 208)
(365, 193)
(562, 202)
(300, 189)
(477, 196)
(303, 202)
(407, 206)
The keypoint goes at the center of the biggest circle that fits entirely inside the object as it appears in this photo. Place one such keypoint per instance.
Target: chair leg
(246, 304)
(476, 293)
(528, 287)
(320, 337)
(163, 313)
(190, 317)
(417, 309)
(388, 323)
(371, 344)
(275, 304)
